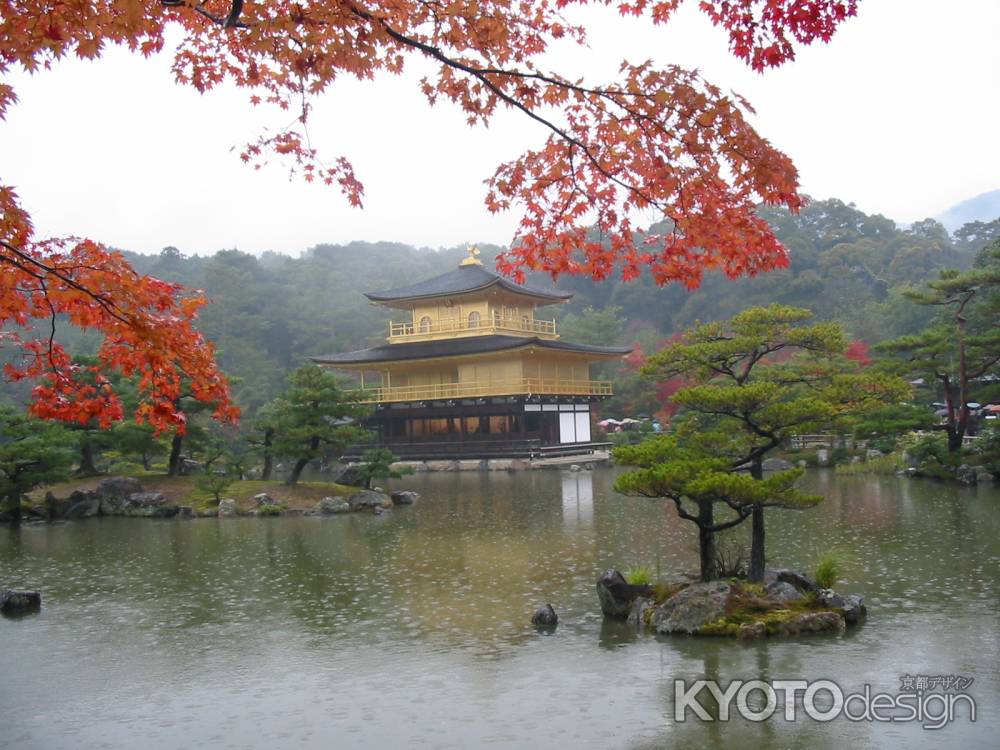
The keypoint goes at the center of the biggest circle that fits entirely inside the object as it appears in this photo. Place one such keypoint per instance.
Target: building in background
(472, 372)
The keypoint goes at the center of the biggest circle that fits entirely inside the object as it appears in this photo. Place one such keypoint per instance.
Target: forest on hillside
(268, 314)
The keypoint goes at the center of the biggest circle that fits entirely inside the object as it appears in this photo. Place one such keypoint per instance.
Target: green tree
(377, 464)
(758, 379)
(698, 482)
(961, 345)
(32, 452)
(315, 417)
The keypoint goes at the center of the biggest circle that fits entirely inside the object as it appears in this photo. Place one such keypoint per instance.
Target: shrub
(214, 485)
(639, 576)
(827, 571)
(730, 559)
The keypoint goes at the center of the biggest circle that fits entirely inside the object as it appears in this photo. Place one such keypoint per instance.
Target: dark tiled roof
(458, 347)
(464, 279)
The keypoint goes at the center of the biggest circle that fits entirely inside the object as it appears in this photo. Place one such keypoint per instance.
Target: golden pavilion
(471, 372)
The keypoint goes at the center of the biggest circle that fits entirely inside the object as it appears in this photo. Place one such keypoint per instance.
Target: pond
(411, 629)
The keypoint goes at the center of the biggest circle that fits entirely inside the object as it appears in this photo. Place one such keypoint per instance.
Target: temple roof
(459, 347)
(464, 279)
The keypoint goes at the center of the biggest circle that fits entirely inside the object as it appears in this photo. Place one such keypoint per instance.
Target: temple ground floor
(500, 427)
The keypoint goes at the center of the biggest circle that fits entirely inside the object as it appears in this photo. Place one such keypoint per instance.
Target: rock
(189, 466)
(984, 476)
(263, 498)
(810, 622)
(823, 457)
(782, 591)
(185, 511)
(777, 464)
(80, 504)
(545, 617)
(692, 608)
(147, 505)
(637, 615)
(830, 598)
(966, 475)
(873, 453)
(330, 505)
(799, 580)
(227, 508)
(17, 601)
(802, 463)
(850, 607)
(854, 609)
(616, 594)
(404, 497)
(574, 467)
(752, 631)
(369, 499)
(114, 493)
(378, 510)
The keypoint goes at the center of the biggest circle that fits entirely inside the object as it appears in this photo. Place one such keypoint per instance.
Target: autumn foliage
(658, 140)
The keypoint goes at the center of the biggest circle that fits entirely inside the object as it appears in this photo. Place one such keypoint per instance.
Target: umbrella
(606, 422)
(941, 413)
(629, 420)
(973, 405)
(992, 408)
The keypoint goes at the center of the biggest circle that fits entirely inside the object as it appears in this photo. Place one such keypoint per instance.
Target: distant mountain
(985, 207)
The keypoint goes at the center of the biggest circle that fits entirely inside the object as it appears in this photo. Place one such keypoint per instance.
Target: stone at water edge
(637, 615)
(854, 609)
(751, 631)
(80, 504)
(332, 505)
(616, 594)
(545, 617)
(404, 497)
(16, 601)
(984, 476)
(263, 498)
(227, 508)
(850, 607)
(811, 622)
(369, 499)
(692, 608)
(114, 493)
(147, 504)
(966, 474)
(823, 457)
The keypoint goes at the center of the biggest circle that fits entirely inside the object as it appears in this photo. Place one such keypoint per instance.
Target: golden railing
(487, 324)
(522, 387)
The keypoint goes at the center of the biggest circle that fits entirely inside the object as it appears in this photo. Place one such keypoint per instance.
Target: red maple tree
(656, 138)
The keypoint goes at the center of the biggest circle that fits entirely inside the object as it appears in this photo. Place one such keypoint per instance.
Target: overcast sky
(900, 114)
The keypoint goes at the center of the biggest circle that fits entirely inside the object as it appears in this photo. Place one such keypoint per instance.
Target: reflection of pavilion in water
(578, 498)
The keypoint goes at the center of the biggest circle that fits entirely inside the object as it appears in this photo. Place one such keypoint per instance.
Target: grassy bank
(183, 491)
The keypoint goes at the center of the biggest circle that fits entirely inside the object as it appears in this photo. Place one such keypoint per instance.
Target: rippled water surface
(411, 629)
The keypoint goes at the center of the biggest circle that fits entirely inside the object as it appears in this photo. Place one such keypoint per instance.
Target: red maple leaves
(659, 140)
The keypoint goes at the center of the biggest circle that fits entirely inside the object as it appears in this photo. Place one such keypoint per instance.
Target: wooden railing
(487, 324)
(521, 387)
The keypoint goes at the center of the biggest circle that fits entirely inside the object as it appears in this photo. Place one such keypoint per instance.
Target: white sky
(900, 113)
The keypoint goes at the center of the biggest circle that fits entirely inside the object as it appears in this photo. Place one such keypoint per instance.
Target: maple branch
(482, 75)
(107, 305)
